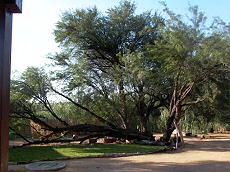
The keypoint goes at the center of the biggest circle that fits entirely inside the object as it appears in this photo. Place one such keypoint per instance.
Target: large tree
(194, 56)
(98, 52)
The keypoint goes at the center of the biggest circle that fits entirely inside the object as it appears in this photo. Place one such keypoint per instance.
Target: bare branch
(194, 102)
(84, 108)
(20, 135)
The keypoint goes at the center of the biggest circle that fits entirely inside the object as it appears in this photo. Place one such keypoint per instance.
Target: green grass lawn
(27, 154)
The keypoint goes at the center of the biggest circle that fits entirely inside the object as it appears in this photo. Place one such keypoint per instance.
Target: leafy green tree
(98, 51)
(188, 54)
(34, 88)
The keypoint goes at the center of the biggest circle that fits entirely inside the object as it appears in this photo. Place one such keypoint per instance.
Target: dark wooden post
(7, 8)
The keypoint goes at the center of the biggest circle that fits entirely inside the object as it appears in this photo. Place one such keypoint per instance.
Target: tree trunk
(123, 102)
(141, 109)
(144, 124)
(179, 95)
(169, 127)
(175, 115)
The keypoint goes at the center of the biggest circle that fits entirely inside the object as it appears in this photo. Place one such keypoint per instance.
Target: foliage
(188, 54)
(101, 57)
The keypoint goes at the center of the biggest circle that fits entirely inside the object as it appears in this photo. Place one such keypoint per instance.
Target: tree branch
(193, 102)
(84, 108)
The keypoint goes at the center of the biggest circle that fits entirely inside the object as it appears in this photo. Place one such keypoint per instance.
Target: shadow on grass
(28, 154)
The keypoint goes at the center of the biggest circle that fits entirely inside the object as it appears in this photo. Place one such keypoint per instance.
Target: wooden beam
(5, 54)
(7, 7)
(13, 6)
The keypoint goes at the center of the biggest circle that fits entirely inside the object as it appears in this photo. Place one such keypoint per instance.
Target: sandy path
(211, 155)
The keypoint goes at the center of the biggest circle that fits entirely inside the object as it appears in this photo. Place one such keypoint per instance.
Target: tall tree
(189, 56)
(95, 47)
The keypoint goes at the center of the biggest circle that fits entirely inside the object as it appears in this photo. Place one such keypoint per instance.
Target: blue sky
(32, 30)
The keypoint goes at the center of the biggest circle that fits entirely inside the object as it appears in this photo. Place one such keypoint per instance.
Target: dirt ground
(199, 155)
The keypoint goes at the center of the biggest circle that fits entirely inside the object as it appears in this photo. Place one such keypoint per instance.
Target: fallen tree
(93, 131)
(62, 131)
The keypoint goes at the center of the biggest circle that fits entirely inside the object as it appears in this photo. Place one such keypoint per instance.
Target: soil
(211, 154)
